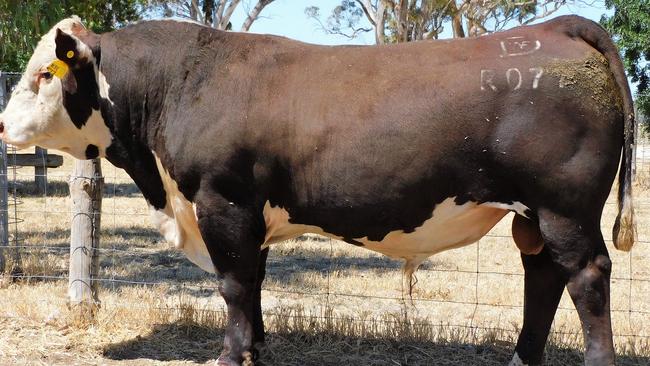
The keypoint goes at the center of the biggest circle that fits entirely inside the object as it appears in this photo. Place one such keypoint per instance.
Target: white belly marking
(450, 226)
(279, 229)
(516, 206)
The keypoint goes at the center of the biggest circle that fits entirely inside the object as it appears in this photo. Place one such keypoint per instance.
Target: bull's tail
(591, 32)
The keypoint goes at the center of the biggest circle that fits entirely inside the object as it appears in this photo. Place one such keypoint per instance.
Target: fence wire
(463, 288)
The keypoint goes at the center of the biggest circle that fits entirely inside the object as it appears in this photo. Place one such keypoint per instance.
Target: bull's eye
(47, 75)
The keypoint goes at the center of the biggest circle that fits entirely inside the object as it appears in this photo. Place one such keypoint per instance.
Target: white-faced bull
(238, 141)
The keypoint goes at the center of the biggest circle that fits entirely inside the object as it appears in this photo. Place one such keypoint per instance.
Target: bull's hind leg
(542, 292)
(577, 247)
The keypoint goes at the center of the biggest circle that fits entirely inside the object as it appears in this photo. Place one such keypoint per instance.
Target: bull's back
(422, 109)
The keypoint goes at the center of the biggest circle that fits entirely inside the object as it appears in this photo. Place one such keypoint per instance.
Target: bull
(238, 141)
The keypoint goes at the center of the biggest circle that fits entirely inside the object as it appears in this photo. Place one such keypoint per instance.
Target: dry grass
(326, 303)
(643, 179)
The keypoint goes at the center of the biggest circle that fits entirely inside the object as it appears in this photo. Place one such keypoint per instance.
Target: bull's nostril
(2, 127)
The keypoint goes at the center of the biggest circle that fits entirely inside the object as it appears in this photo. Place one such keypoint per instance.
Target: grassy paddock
(326, 302)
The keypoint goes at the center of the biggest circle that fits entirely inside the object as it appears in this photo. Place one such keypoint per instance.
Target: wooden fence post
(86, 184)
(40, 170)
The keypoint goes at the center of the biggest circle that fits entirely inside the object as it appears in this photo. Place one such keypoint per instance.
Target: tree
(630, 27)
(215, 13)
(23, 22)
(411, 20)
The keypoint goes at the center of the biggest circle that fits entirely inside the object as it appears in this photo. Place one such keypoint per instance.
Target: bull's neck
(136, 95)
(146, 67)
(132, 112)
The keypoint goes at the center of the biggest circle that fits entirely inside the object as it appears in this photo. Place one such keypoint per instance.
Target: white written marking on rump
(519, 46)
(513, 77)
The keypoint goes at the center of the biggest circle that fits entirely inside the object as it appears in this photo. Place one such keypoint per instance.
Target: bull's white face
(36, 114)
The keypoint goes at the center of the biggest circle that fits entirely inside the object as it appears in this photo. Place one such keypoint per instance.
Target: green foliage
(344, 18)
(22, 23)
(413, 20)
(630, 27)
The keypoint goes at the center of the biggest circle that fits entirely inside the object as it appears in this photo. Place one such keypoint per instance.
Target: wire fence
(478, 286)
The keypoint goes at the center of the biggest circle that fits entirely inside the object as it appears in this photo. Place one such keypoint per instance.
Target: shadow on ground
(175, 342)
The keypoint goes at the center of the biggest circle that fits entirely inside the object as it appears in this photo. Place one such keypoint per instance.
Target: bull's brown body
(384, 147)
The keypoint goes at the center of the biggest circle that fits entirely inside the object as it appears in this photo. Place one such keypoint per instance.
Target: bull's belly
(450, 226)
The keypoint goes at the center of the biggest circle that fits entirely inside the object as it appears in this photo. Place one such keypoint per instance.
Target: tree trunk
(376, 17)
(456, 21)
(86, 185)
(225, 18)
(457, 25)
(221, 6)
(194, 14)
(208, 11)
(261, 4)
(380, 30)
(401, 13)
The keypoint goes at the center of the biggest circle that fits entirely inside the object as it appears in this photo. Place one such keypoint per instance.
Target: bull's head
(56, 104)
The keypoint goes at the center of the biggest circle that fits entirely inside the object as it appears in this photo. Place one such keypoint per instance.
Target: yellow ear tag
(70, 54)
(58, 68)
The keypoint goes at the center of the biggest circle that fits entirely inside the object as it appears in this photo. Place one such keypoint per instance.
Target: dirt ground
(326, 302)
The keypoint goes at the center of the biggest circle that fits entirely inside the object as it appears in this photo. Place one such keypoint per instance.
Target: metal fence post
(86, 184)
(4, 184)
(4, 206)
(637, 116)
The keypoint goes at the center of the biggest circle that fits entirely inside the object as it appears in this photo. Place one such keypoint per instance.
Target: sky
(287, 18)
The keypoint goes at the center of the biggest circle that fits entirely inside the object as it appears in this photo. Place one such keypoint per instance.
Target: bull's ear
(67, 49)
(80, 46)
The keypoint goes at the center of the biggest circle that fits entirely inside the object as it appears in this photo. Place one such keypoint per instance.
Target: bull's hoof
(257, 349)
(248, 359)
(226, 361)
(516, 361)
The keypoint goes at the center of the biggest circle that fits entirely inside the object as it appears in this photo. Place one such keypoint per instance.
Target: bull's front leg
(258, 321)
(233, 233)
